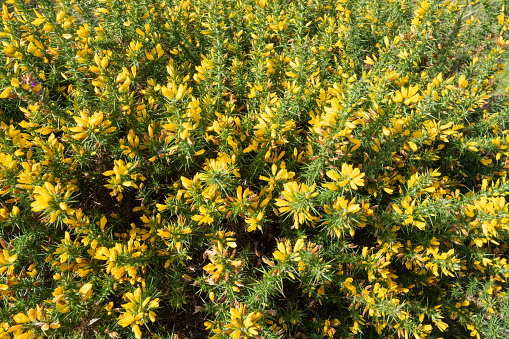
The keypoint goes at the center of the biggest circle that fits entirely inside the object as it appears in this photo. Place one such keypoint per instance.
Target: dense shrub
(253, 169)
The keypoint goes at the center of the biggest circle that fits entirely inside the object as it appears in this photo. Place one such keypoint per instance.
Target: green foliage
(253, 169)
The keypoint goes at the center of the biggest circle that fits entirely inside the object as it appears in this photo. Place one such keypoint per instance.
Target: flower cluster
(253, 169)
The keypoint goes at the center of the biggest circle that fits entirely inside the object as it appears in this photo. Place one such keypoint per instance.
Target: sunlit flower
(349, 176)
(298, 201)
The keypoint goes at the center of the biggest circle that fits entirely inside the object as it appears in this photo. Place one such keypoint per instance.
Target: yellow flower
(137, 311)
(86, 291)
(122, 178)
(349, 175)
(94, 124)
(408, 95)
(340, 219)
(346, 206)
(42, 197)
(243, 199)
(298, 202)
(282, 174)
(284, 251)
(242, 325)
(5, 93)
(203, 217)
(214, 269)
(254, 222)
(137, 331)
(21, 318)
(218, 175)
(349, 286)
(47, 198)
(462, 81)
(126, 320)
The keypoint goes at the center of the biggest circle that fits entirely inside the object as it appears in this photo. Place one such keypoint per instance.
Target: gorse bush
(253, 169)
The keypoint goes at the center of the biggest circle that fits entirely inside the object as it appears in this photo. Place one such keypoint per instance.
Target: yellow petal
(420, 225)
(21, 318)
(398, 97)
(39, 21)
(137, 331)
(126, 320)
(333, 175)
(298, 245)
(86, 291)
(39, 205)
(5, 93)
(25, 335)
